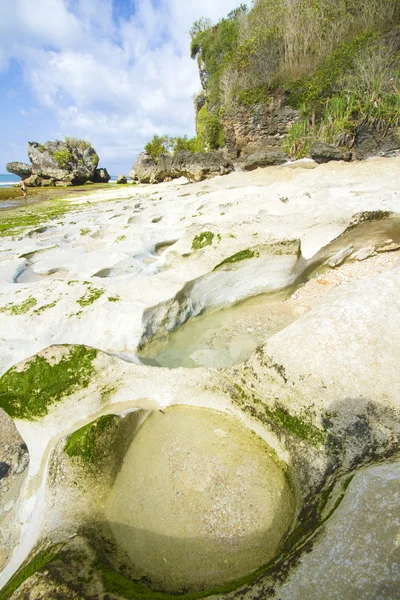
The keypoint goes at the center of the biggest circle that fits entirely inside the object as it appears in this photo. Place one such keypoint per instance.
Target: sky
(113, 72)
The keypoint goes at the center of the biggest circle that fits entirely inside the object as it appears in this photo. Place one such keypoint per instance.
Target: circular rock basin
(199, 501)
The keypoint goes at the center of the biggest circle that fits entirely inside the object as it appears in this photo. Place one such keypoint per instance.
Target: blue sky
(114, 72)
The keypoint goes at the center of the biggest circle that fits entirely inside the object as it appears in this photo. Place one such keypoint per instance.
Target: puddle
(199, 500)
(190, 331)
(223, 338)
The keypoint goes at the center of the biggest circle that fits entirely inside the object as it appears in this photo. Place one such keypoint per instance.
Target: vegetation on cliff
(336, 61)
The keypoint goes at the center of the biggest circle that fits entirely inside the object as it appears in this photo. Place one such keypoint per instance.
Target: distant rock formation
(121, 179)
(101, 176)
(72, 162)
(194, 167)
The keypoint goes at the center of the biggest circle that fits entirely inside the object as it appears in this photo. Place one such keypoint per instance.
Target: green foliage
(210, 132)
(28, 393)
(203, 239)
(312, 91)
(252, 96)
(87, 443)
(64, 158)
(158, 145)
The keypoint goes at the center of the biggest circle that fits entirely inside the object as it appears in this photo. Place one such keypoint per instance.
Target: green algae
(85, 231)
(205, 238)
(239, 256)
(19, 309)
(113, 298)
(45, 307)
(120, 238)
(16, 221)
(41, 560)
(300, 427)
(88, 442)
(28, 393)
(91, 296)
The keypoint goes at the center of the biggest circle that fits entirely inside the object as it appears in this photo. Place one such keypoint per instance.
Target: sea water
(8, 180)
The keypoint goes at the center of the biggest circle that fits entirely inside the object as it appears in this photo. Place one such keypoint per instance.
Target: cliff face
(262, 127)
(284, 74)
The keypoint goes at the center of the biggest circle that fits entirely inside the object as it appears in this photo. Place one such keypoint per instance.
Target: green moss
(85, 230)
(121, 238)
(205, 238)
(91, 296)
(119, 585)
(41, 309)
(28, 393)
(113, 298)
(295, 424)
(41, 560)
(242, 255)
(88, 442)
(19, 309)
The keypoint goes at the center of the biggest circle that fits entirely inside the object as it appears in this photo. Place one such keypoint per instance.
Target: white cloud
(115, 83)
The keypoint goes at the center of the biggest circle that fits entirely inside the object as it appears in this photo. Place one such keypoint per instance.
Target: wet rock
(21, 169)
(101, 176)
(322, 153)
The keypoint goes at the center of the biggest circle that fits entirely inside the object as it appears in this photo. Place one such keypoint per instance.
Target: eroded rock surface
(319, 386)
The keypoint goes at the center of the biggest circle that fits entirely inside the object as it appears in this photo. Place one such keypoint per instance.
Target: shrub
(210, 131)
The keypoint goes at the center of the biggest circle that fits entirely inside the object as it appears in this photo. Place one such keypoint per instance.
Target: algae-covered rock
(28, 391)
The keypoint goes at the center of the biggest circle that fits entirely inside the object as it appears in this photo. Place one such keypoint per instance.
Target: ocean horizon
(8, 179)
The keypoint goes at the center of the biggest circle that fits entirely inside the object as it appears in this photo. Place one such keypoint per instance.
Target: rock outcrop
(72, 162)
(259, 128)
(23, 170)
(101, 176)
(323, 153)
(121, 179)
(370, 142)
(194, 167)
(264, 159)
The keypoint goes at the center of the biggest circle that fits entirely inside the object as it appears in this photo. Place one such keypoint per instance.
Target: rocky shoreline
(290, 275)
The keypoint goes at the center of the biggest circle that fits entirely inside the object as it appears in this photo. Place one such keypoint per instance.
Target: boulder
(72, 161)
(122, 179)
(264, 159)
(101, 176)
(194, 167)
(323, 153)
(369, 142)
(23, 170)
